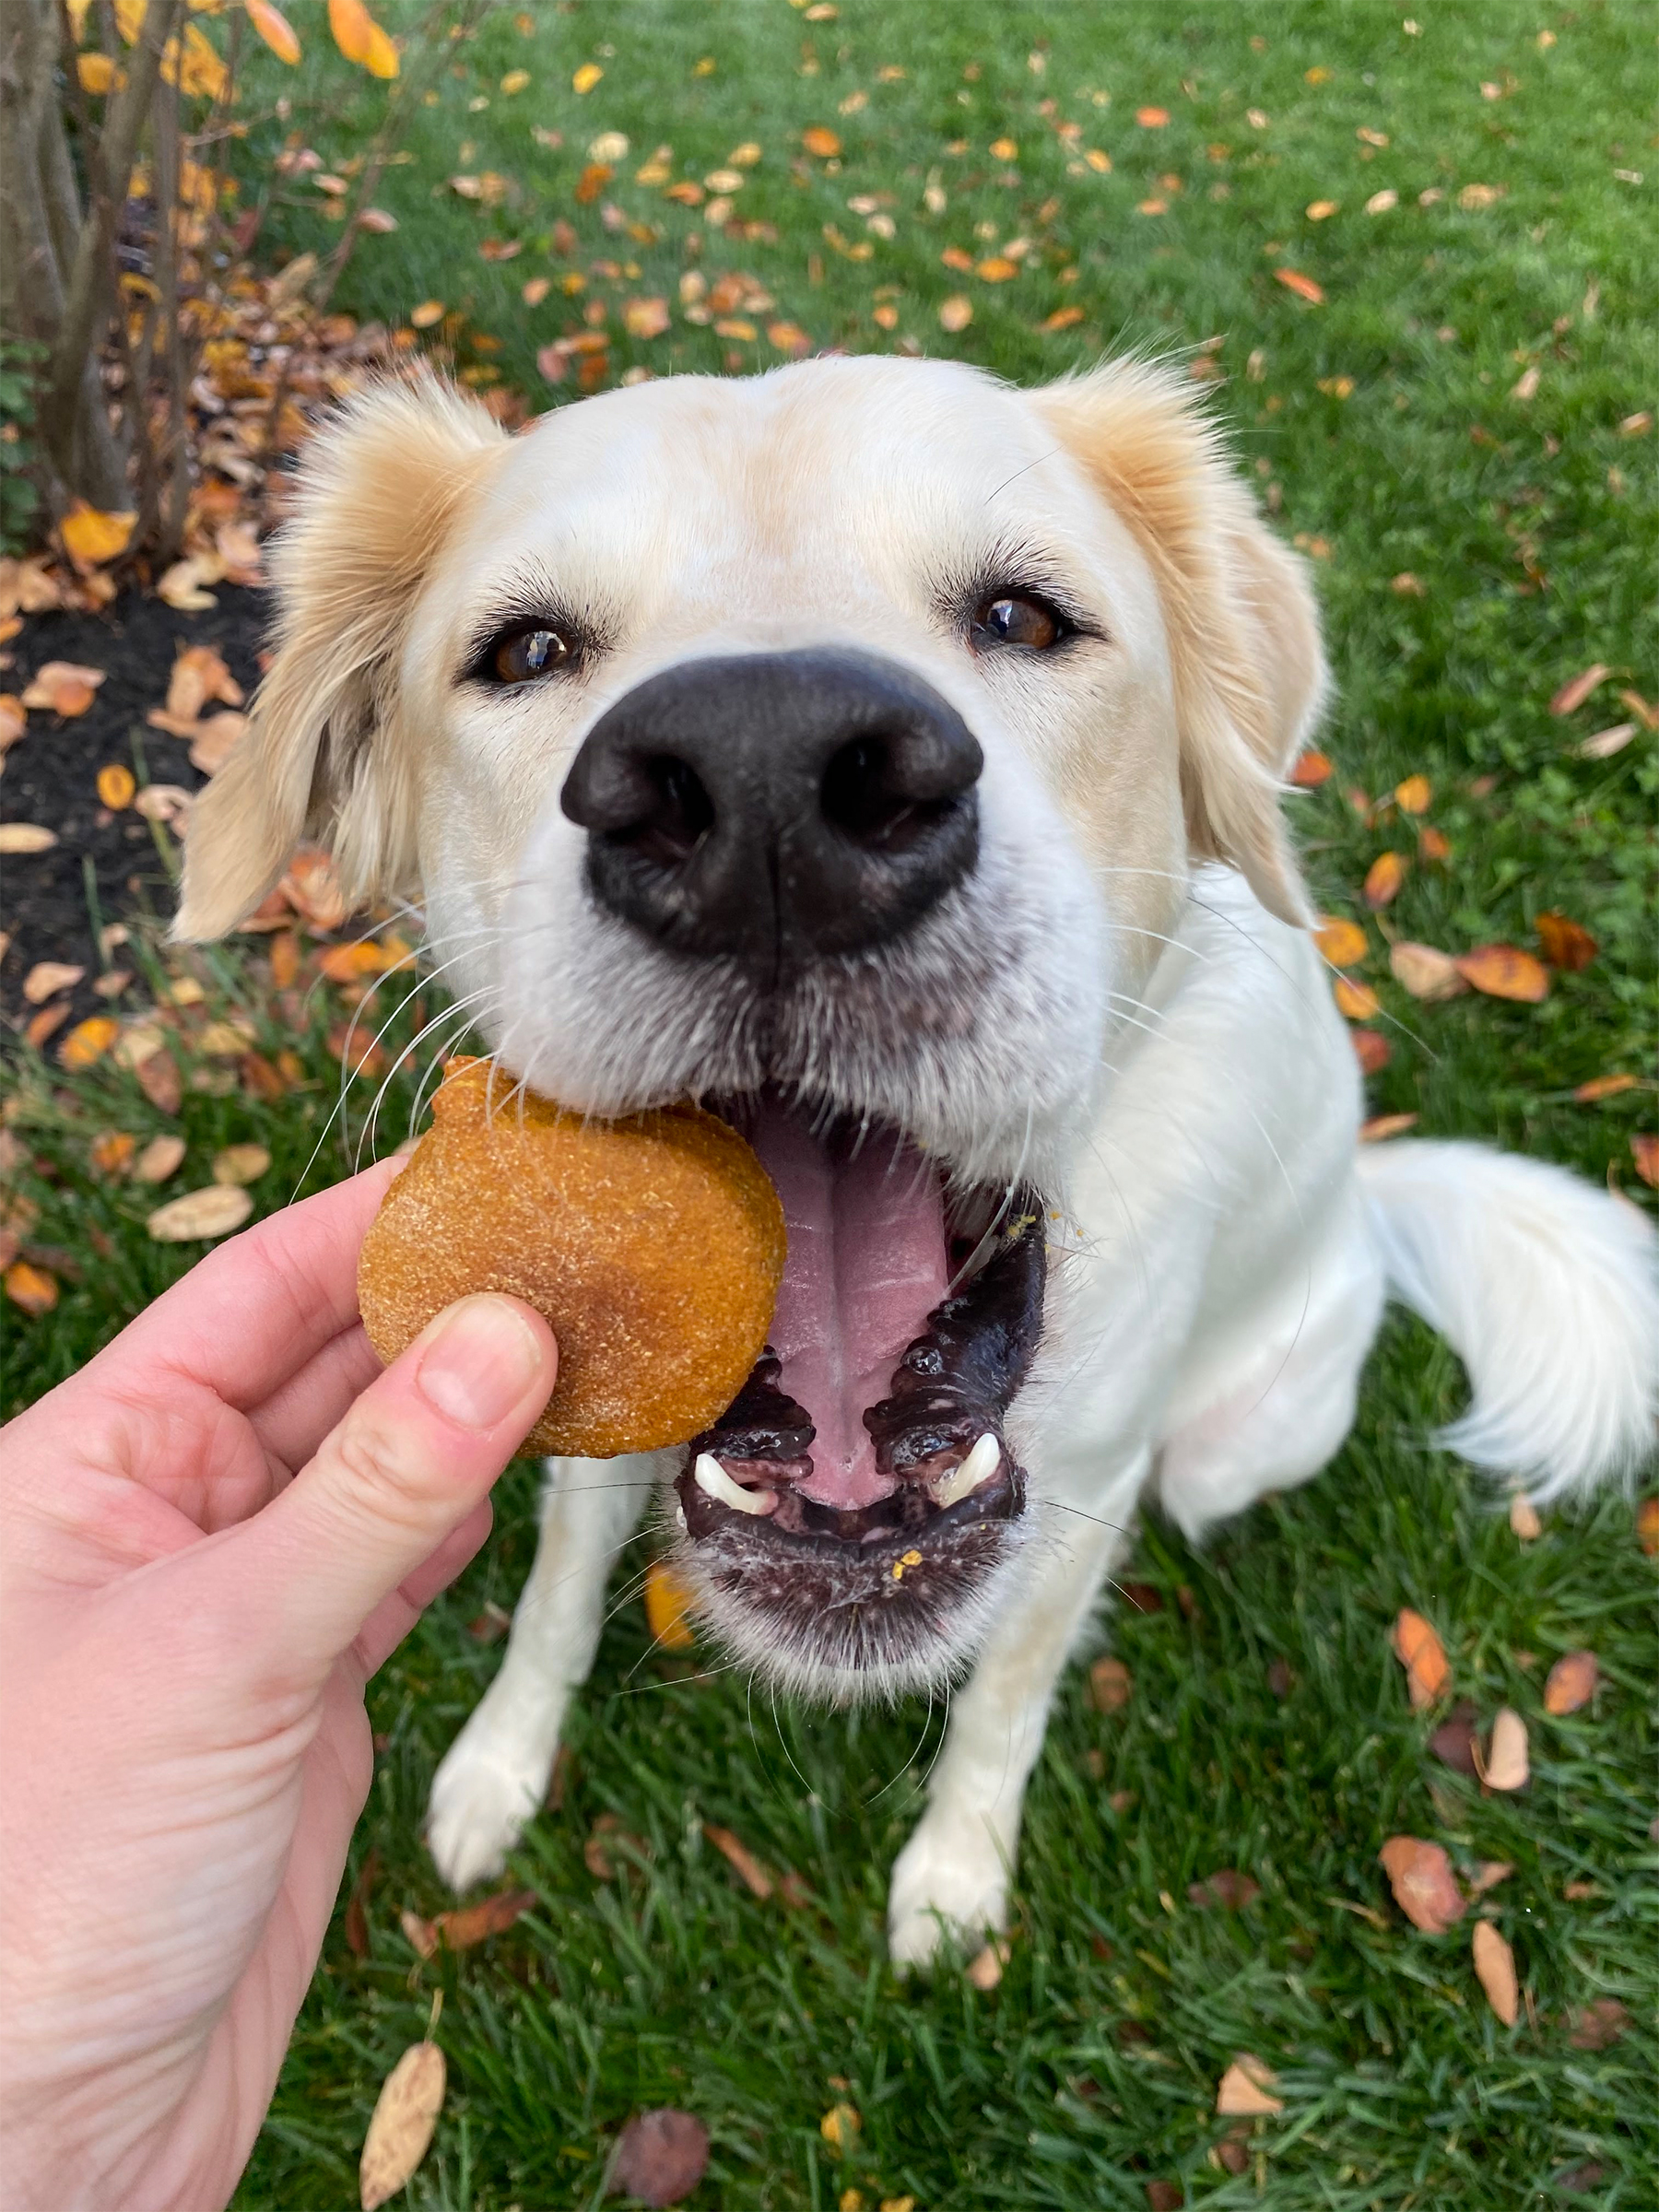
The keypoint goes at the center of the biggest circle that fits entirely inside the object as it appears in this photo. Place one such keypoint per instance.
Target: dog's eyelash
(516, 619)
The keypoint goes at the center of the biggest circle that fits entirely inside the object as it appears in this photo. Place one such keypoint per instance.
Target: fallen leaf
(1571, 1683)
(1245, 2090)
(422, 1936)
(1383, 880)
(839, 2126)
(1426, 974)
(199, 677)
(1507, 1767)
(311, 888)
(1310, 769)
(1576, 691)
(1489, 1874)
(212, 740)
(823, 143)
(1355, 1002)
(360, 39)
(1227, 1887)
(956, 312)
(1320, 211)
(469, 1925)
(1420, 1877)
(1305, 288)
(1414, 795)
(1063, 318)
(1408, 586)
(660, 2156)
(1452, 1742)
(1644, 1151)
(668, 1603)
(584, 79)
(160, 1081)
(1605, 743)
(47, 977)
(985, 1970)
(1371, 1049)
(1523, 1518)
(14, 718)
(407, 2110)
(1474, 197)
(1433, 844)
(1647, 1526)
(737, 1855)
(46, 1023)
(238, 1164)
(1420, 1652)
(1152, 119)
(112, 1154)
(88, 1041)
(1110, 1685)
(1505, 972)
(1381, 1127)
(162, 1157)
(1647, 715)
(63, 687)
(427, 313)
(1566, 944)
(1343, 943)
(213, 1211)
(32, 1289)
(646, 318)
(1494, 1969)
(92, 536)
(1597, 2024)
(1526, 386)
(1164, 2196)
(1381, 203)
(116, 786)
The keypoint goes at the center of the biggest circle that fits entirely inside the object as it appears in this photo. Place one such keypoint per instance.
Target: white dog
(892, 760)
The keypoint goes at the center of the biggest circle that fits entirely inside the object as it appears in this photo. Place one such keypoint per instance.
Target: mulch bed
(46, 899)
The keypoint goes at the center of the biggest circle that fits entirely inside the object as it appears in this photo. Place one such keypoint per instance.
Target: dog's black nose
(777, 806)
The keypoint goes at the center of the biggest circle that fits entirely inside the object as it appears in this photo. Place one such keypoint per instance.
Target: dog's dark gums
(889, 1575)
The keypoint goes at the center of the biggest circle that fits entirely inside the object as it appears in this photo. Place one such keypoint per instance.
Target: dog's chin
(846, 1521)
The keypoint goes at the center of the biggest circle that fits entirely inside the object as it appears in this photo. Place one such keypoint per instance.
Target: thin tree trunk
(32, 279)
(175, 468)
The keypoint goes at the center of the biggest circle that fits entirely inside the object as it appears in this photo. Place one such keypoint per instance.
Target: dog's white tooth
(979, 1466)
(711, 1478)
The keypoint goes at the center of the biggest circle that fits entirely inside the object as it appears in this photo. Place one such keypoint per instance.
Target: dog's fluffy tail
(1549, 1292)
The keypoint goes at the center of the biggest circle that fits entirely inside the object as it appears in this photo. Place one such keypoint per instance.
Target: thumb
(412, 1459)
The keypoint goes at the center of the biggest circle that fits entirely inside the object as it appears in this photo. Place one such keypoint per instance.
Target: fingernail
(482, 1358)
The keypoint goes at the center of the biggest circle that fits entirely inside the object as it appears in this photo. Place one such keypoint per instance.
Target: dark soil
(104, 866)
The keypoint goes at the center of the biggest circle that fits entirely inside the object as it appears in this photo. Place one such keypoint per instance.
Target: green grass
(1533, 530)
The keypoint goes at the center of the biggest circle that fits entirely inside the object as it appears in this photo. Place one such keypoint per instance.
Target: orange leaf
(117, 786)
(1384, 878)
(819, 141)
(1603, 1087)
(1503, 972)
(1433, 844)
(668, 1603)
(274, 29)
(1305, 288)
(1355, 1002)
(1371, 1049)
(1571, 1683)
(1244, 2092)
(1311, 769)
(1647, 1526)
(1063, 318)
(1420, 1875)
(1413, 795)
(1495, 1967)
(88, 1041)
(1381, 1127)
(1566, 944)
(91, 537)
(1577, 691)
(737, 1855)
(360, 39)
(31, 1287)
(1110, 1685)
(63, 687)
(1152, 119)
(1420, 1652)
(1342, 943)
(469, 1924)
(1644, 1150)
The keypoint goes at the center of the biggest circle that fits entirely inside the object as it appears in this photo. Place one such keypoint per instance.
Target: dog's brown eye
(528, 653)
(1012, 620)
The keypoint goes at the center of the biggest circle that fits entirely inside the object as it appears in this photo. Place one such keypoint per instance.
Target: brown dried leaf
(161, 1158)
(1507, 1765)
(1245, 2090)
(356, 1905)
(1489, 1874)
(63, 687)
(32, 1289)
(1597, 2024)
(1452, 1742)
(1383, 880)
(241, 1163)
(213, 1211)
(1505, 972)
(754, 1876)
(1312, 768)
(1495, 1967)
(985, 1970)
(1227, 1887)
(1381, 1127)
(1523, 1518)
(1575, 692)
(401, 2127)
(1110, 1685)
(469, 1924)
(1571, 1683)
(1644, 1151)
(660, 2156)
(1647, 1526)
(1566, 944)
(1424, 971)
(47, 977)
(1413, 796)
(1420, 1652)
(1420, 1877)
(422, 1936)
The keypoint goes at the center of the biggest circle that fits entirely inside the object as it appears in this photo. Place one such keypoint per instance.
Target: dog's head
(834, 747)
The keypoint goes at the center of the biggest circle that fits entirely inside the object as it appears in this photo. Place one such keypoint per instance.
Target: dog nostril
(869, 797)
(680, 816)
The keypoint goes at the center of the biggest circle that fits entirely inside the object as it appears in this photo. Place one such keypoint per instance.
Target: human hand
(209, 1539)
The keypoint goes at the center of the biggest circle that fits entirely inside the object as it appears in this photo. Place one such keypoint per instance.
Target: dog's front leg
(495, 1773)
(954, 1873)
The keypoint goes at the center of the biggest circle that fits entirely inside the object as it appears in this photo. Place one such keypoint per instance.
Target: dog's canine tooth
(711, 1478)
(979, 1466)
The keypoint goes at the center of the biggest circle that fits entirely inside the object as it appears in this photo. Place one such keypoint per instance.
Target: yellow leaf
(274, 29)
(514, 81)
(91, 537)
(129, 20)
(1413, 795)
(405, 2116)
(31, 1287)
(1356, 1001)
(96, 73)
(839, 2126)
(195, 67)
(1342, 943)
(88, 1041)
(668, 1608)
(360, 39)
(586, 77)
(427, 313)
(116, 786)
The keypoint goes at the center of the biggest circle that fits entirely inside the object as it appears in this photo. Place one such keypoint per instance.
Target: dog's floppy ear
(1250, 675)
(379, 488)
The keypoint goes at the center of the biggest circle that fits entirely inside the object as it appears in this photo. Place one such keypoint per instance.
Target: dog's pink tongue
(867, 1266)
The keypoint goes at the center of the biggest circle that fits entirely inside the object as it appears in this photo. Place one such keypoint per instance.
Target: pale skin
(209, 1540)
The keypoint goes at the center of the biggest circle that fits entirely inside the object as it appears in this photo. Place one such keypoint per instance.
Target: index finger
(254, 1311)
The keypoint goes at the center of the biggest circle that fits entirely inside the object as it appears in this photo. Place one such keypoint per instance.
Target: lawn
(1451, 411)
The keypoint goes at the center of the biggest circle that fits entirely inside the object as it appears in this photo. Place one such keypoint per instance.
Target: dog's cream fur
(1121, 1004)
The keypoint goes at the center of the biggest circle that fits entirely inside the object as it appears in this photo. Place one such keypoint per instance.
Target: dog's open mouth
(858, 1489)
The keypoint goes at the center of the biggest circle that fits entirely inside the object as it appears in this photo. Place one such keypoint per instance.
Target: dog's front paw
(951, 1878)
(483, 1795)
